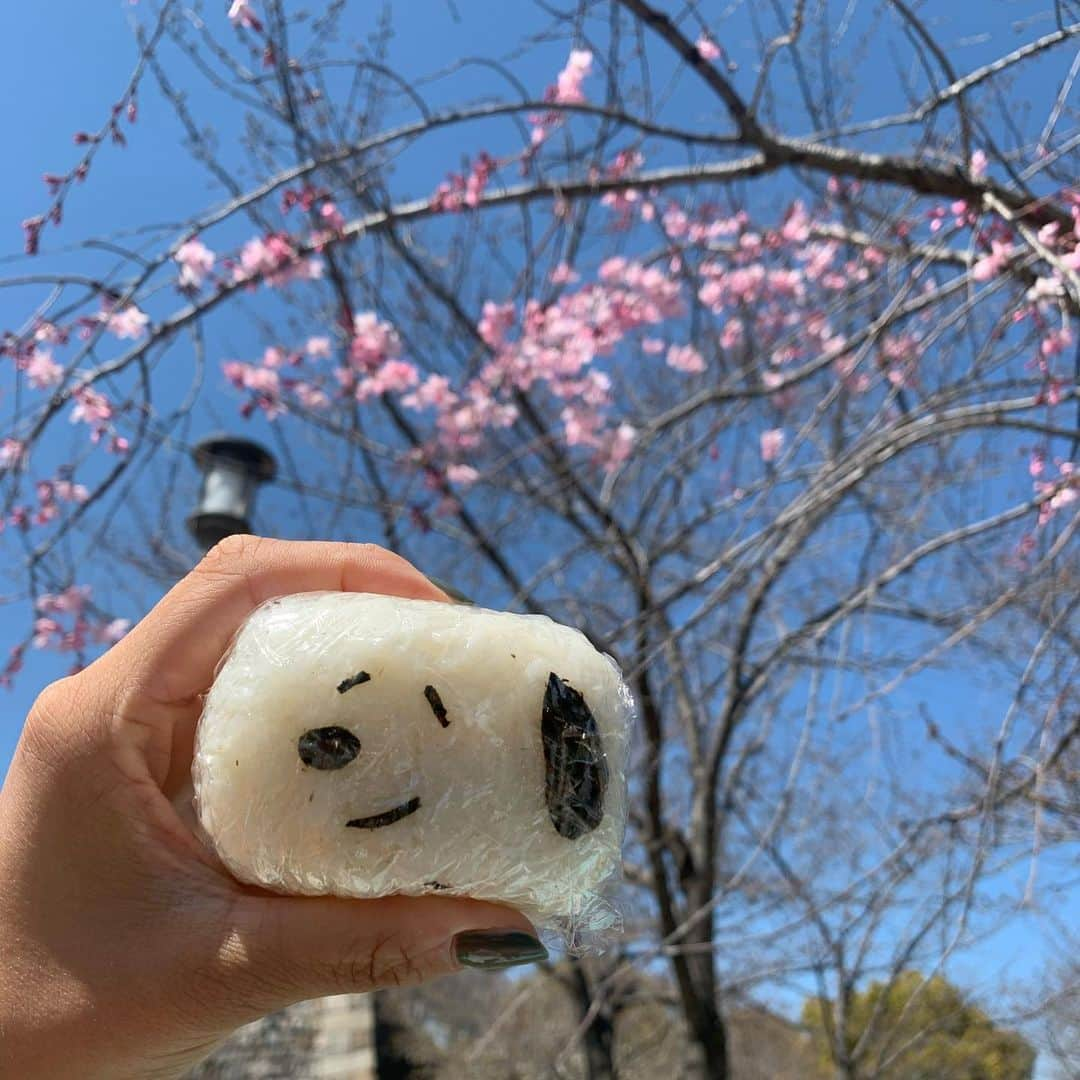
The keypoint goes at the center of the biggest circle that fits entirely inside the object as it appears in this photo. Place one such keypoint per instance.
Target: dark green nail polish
(489, 950)
(454, 594)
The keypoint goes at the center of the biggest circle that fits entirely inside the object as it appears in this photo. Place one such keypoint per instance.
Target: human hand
(128, 951)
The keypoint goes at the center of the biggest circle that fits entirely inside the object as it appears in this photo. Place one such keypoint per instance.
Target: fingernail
(489, 950)
(455, 594)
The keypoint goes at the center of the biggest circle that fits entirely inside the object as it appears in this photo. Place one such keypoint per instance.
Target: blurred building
(326, 1039)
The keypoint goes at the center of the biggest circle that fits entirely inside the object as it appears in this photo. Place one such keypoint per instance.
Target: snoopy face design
(364, 745)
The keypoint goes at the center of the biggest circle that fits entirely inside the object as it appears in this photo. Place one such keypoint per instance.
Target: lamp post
(232, 470)
(342, 1028)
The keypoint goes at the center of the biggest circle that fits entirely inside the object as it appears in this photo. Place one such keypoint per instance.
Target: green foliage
(919, 1030)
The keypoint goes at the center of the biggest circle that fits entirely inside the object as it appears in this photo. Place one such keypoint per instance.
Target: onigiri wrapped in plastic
(363, 745)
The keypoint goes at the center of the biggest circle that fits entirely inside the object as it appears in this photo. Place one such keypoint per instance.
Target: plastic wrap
(365, 745)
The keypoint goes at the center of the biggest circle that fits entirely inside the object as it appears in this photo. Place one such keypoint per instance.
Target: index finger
(170, 657)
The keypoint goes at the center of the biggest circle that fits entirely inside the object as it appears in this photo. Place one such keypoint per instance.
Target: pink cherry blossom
(707, 48)
(13, 666)
(624, 163)
(819, 257)
(196, 261)
(274, 357)
(262, 380)
(12, 452)
(91, 408)
(264, 383)
(1048, 233)
(732, 334)
(623, 203)
(796, 227)
(685, 358)
(594, 389)
(1056, 342)
(991, 265)
(741, 285)
(568, 89)
(70, 492)
(563, 274)
(311, 397)
(580, 426)
(433, 391)
(464, 475)
(1045, 289)
(332, 216)
(44, 631)
(274, 259)
(318, 348)
(457, 191)
(42, 370)
(462, 423)
(47, 331)
(392, 376)
(620, 443)
(978, 163)
(1067, 491)
(32, 227)
(675, 222)
(111, 632)
(373, 342)
(495, 321)
(772, 442)
(233, 370)
(45, 514)
(71, 601)
(241, 13)
(128, 322)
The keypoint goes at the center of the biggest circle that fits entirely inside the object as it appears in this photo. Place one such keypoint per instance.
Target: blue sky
(65, 64)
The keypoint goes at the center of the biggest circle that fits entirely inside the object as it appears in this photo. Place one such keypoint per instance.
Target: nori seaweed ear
(576, 771)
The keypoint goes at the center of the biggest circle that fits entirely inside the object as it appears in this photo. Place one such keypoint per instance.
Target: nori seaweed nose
(328, 747)
(576, 771)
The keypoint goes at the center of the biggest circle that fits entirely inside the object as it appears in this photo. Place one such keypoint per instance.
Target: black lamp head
(232, 469)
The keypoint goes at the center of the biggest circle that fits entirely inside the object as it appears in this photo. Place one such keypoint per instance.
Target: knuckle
(229, 555)
(50, 714)
(53, 703)
(394, 962)
(50, 735)
(386, 962)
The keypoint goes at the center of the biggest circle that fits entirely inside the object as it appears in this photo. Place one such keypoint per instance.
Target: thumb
(286, 949)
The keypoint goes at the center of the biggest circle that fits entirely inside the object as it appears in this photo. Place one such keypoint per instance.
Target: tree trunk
(709, 1047)
(599, 1049)
(598, 1039)
(701, 1007)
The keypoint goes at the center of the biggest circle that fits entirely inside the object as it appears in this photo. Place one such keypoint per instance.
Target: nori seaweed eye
(330, 747)
(576, 770)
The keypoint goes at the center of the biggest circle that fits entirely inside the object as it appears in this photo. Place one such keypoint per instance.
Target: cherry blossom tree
(645, 322)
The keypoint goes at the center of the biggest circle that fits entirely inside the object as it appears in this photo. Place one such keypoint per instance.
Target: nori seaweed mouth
(387, 817)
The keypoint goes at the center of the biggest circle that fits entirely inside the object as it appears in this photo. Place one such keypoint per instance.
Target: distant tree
(914, 1028)
(1057, 1013)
